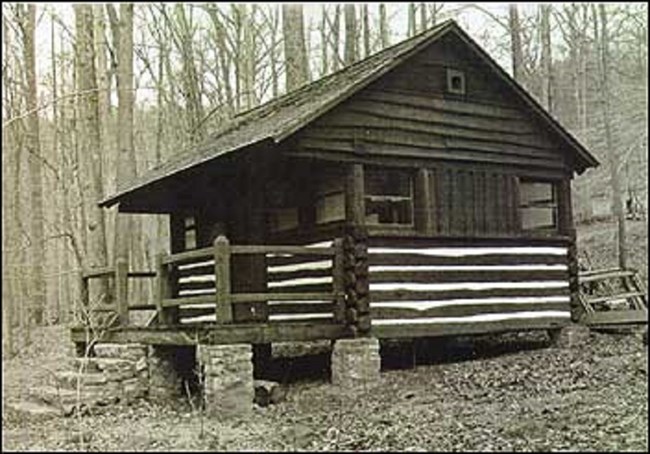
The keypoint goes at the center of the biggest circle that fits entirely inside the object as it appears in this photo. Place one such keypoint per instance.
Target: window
(455, 81)
(537, 205)
(330, 198)
(189, 225)
(389, 197)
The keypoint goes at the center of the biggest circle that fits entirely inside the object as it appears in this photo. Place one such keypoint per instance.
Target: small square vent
(455, 81)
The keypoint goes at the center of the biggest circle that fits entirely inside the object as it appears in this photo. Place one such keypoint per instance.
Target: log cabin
(420, 192)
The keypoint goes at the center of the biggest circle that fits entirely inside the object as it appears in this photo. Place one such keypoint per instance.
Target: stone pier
(227, 378)
(355, 362)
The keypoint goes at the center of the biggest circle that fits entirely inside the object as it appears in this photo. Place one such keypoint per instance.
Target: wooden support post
(354, 195)
(574, 283)
(564, 208)
(163, 290)
(122, 290)
(338, 281)
(423, 215)
(357, 313)
(222, 275)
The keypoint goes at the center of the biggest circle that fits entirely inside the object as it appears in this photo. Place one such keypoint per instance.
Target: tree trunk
(32, 143)
(248, 74)
(611, 152)
(191, 84)
(515, 42)
(295, 52)
(546, 62)
(384, 34)
(9, 182)
(126, 168)
(89, 138)
(336, 39)
(411, 20)
(366, 30)
(351, 54)
(423, 17)
(324, 62)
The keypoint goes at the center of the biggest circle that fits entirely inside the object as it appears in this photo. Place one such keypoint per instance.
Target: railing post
(222, 279)
(122, 290)
(338, 281)
(163, 289)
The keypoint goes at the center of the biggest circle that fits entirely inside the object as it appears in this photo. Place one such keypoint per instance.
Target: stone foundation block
(355, 362)
(227, 378)
(132, 352)
(571, 336)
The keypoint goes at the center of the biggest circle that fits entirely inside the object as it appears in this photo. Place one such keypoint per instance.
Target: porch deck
(343, 288)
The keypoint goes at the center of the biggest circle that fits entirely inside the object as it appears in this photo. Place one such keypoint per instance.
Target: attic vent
(455, 81)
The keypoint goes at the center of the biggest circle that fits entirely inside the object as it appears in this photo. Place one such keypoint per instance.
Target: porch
(354, 286)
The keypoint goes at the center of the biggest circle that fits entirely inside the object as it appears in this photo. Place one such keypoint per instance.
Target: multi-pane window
(537, 205)
(388, 197)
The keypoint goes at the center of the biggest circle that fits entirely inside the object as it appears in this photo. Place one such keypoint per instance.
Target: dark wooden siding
(472, 202)
(408, 113)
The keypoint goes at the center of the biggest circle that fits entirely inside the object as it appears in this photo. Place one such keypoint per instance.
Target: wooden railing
(282, 300)
(120, 275)
(612, 297)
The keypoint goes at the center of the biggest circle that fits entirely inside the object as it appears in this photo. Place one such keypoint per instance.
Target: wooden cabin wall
(410, 113)
(468, 150)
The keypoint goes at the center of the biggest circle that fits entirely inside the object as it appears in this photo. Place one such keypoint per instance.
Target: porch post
(357, 313)
(222, 279)
(166, 316)
(122, 290)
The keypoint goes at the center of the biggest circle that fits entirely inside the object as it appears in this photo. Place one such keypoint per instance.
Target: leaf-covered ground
(506, 393)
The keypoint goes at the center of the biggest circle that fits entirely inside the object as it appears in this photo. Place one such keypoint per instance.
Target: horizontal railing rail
(302, 282)
(120, 275)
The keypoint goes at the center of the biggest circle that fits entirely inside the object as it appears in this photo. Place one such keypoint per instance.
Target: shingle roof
(282, 116)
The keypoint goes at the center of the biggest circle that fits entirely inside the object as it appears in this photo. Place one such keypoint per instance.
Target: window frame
(451, 74)
(390, 198)
(553, 204)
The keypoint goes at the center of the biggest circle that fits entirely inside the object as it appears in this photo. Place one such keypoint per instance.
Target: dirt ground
(511, 392)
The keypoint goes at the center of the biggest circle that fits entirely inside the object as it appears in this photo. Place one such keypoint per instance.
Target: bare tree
(366, 30)
(33, 147)
(295, 52)
(384, 34)
(89, 137)
(515, 42)
(351, 53)
(126, 166)
(412, 26)
(546, 58)
(612, 155)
